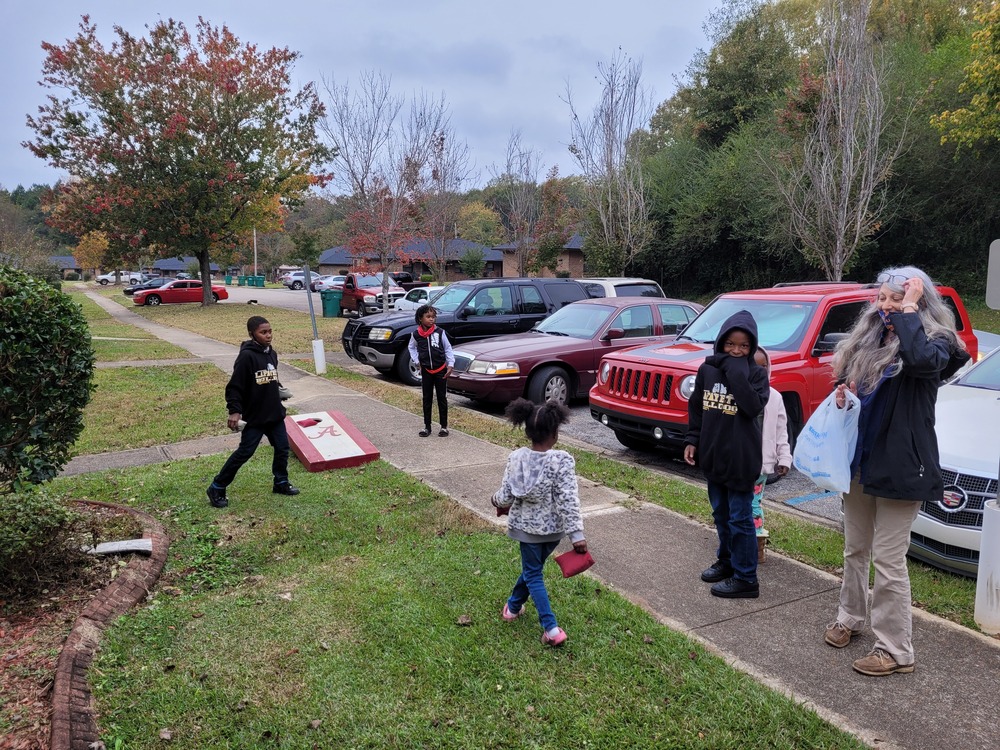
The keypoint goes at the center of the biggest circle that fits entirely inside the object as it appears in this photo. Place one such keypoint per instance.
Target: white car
(947, 533)
(621, 286)
(325, 283)
(125, 277)
(417, 297)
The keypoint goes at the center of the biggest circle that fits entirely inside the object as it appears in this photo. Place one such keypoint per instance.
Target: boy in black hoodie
(724, 432)
(252, 397)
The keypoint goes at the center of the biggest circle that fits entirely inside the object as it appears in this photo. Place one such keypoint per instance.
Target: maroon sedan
(177, 291)
(558, 358)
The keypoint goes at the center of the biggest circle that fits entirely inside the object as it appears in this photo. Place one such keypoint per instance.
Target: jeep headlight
(604, 373)
(483, 367)
(380, 334)
(686, 388)
(369, 299)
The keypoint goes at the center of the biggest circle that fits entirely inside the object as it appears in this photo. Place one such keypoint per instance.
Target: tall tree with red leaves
(177, 141)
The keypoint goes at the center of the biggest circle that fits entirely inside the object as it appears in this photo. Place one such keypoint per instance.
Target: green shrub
(35, 536)
(72, 276)
(46, 365)
(427, 277)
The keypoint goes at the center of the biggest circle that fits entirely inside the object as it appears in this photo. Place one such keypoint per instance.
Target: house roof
(173, 264)
(454, 250)
(573, 243)
(64, 262)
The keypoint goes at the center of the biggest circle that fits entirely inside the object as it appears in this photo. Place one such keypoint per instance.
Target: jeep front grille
(978, 489)
(647, 386)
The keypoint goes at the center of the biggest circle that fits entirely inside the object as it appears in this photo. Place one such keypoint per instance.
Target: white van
(621, 286)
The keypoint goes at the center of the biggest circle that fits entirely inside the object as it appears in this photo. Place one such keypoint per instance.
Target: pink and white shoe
(554, 640)
(509, 616)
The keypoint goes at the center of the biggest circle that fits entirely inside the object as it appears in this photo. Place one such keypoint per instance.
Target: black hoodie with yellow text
(726, 409)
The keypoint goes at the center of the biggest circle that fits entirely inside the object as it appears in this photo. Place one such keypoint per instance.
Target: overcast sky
(500, 66)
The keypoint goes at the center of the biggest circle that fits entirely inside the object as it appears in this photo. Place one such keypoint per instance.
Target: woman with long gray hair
(895, 357)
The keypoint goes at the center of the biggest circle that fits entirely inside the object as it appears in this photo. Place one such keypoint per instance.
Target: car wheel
(103, 282)
(361, 309)
(215, 297)
(549, 384)
(296, 285)
(636, 444)
(153, 300)
(407, 370)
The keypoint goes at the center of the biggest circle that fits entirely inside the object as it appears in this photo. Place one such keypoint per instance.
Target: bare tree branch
(836, 192)
(609, 157)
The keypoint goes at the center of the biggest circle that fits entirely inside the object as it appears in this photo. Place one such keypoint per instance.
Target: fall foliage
(180, 140)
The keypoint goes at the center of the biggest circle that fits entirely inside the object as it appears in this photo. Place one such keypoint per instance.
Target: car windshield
(780, 324)
(986, 374)
(451, 297)
(369, 281)
(578, 321)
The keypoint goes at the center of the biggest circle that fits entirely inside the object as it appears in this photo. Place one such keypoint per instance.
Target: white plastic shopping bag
(826, 444)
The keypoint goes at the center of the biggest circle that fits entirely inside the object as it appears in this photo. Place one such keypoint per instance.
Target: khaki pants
(877, 530)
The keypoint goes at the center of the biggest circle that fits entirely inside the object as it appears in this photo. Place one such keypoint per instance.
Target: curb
(73, 721)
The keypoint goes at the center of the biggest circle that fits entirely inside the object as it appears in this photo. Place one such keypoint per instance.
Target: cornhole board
(326, 440)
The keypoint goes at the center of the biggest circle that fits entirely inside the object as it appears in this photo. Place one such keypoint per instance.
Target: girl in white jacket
(777, 458)
(540, 489)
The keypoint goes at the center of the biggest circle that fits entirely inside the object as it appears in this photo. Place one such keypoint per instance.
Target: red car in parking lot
(559, 357)
(177, 291)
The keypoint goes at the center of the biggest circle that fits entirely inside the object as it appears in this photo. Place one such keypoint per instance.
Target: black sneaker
(425, 432)
(217, 497)
(734, 588)
(285, 488)
(719, 571)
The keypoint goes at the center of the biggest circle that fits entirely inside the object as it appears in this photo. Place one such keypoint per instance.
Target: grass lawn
(227, 321)
(134, 407)
(133, 344)
(983, 318)
(365, 613)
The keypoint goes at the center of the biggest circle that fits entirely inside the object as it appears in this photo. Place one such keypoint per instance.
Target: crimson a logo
(953, 499)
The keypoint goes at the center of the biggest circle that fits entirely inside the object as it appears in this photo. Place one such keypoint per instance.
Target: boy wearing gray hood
(540, 489)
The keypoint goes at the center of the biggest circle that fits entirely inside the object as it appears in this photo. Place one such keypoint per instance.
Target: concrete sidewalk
(653, 557)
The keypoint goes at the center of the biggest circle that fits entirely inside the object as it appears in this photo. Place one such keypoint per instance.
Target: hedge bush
(36, 531)
(46, 366)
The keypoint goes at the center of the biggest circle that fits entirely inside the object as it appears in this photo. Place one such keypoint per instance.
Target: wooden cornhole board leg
(327, 440)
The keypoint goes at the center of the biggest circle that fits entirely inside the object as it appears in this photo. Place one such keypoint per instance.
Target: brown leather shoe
(880, 663)
(839, 635)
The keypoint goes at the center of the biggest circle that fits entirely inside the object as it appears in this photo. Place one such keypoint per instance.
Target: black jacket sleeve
(238, 385)
(748, 385)
(695, 407)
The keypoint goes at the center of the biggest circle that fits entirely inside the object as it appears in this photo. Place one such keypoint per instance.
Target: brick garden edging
(73, 723)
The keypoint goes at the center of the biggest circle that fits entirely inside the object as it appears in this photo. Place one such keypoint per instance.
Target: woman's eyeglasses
(893, 279)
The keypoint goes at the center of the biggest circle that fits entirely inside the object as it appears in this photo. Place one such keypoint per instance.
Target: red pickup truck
(642, 394)
(363, 294)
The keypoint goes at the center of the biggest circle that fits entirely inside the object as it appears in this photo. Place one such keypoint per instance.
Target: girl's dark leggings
(429, 383)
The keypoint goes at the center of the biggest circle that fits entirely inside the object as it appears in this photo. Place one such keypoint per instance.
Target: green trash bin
(259, 281)
(229, 280)
(331, 302)
(241, 280)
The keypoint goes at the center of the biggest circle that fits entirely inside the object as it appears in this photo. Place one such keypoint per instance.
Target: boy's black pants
(429, 383)
(277, 436)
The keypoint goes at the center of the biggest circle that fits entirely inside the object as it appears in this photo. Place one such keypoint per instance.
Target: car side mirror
(348, 285)
(613, 333)
(828, 343)
(467, 312)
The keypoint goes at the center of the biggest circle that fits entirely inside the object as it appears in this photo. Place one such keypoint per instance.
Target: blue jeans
(277, 436)
(530, 582)
(733, 516)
